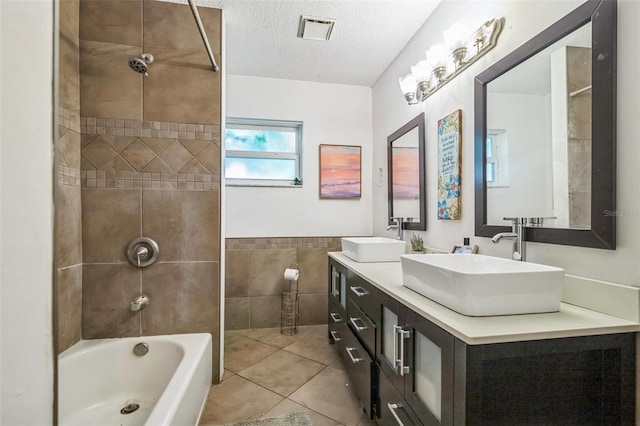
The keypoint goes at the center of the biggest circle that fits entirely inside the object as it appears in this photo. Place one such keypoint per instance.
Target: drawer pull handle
(392, 408)
(359, 291)
(335, 317)
(362, 327)
(355, 359)
(336, 336)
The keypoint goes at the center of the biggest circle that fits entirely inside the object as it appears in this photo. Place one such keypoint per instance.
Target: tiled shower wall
(68, 215)
(579, 134)
(143, 159)
(254, 279)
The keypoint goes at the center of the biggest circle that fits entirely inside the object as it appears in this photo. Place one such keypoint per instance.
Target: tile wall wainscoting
(137, 156)
(254, 279)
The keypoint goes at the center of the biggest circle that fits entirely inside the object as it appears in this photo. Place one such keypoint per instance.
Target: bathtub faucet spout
(139, 303)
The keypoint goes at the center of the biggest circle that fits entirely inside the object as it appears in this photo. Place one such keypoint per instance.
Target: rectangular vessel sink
(476, 285)
(373, 249)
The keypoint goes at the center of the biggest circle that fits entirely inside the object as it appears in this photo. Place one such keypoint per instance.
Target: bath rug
(293, 419)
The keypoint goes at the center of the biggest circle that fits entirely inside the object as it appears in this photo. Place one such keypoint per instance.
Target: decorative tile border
(68, 119)
(282, 243)
(144, 180)
(152, 129)
(68, 176)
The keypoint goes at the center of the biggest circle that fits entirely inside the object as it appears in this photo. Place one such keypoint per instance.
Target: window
(497, 166)
(263, 152)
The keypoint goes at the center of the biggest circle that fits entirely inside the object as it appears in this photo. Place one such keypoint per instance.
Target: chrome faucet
(517, 234)
(139, 303)
(398, 226)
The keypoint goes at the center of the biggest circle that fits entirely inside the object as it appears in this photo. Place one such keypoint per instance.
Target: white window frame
(262, 124)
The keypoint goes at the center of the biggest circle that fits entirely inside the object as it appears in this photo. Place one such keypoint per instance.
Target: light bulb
(407, 84)
(438, 56)
(421, 71)
(456, 36)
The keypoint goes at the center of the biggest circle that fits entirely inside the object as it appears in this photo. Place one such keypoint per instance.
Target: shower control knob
(142, 252)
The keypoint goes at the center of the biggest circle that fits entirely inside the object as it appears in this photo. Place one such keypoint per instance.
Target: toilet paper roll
(291, 274)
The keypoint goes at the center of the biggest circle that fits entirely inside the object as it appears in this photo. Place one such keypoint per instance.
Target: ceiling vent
(315, 28)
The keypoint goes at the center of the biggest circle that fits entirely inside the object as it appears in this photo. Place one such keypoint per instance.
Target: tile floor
(268, 375)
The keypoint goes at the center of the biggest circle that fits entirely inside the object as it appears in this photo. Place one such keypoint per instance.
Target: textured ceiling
(261, 37)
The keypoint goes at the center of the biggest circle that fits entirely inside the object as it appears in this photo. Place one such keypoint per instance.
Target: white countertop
(570, 321)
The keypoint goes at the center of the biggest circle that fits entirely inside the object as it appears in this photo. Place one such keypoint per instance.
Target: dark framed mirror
(406, 165)
(545, 133)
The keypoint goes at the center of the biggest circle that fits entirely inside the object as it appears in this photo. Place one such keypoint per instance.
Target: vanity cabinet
(416, 357)
(407, 370)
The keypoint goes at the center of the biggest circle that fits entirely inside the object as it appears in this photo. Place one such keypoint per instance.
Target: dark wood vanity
(408, 370)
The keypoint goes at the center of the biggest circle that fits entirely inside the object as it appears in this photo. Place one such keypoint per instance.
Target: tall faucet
(398, 226)
(517, 234)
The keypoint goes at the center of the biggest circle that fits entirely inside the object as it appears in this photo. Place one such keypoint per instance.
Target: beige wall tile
(236, 313)
(111, 21)
(138, 154)
(237, 273)
(185, 224)
(312, 264)
(98, 153)
(108, 87)
(68, 226)
(107, 292)
(265, 312)
(69, 71)
(69, 146)
(184, 34)
(111, 219)
(157, 166)
(266, 270)
(168, 96)
(158, 144)
(175, 156)
(184, 298)
(210, 158)
(313, 308)
(69, 292)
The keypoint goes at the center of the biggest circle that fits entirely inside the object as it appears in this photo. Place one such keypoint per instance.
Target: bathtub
(98, 378)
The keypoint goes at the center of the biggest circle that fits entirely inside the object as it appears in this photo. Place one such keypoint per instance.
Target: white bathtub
(97, 378)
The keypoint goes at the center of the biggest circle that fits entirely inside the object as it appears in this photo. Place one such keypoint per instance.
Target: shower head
(141, 64)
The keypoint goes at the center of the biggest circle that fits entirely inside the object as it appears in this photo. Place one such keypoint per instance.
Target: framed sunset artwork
(340, 171)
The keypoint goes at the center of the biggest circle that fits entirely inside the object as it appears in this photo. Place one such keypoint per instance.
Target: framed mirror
(406, 165)
(545, 133)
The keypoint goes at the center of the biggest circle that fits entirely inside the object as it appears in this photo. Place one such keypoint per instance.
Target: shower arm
(203, 34)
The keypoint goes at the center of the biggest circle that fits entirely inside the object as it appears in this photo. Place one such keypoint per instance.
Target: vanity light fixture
(445, 61)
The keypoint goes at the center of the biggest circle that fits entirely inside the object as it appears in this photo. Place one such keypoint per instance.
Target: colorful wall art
(449, 142)
(340, 171)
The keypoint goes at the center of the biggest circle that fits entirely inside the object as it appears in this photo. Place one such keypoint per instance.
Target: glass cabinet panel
(389, 322)
(343, 290)
(428, 374)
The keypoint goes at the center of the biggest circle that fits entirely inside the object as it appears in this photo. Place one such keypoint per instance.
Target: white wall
(331, 114)
(26, 225)
(524, 19)
(529, 192)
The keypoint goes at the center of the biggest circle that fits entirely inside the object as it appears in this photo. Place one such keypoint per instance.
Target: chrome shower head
(141, 64)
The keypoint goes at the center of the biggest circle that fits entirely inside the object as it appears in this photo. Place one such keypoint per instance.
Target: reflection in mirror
(546, 140)
(406, 174)
(545, 133)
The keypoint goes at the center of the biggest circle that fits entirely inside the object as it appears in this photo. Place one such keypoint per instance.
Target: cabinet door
(338, 284)
(389, 341)
(429, 379)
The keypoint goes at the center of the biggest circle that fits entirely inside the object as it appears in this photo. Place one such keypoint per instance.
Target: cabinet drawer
(360, 368)
(362, 326)
(364, 295)
(393, 410)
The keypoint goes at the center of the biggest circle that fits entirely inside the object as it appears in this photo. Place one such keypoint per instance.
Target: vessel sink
(477, 285)
(373, 249)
